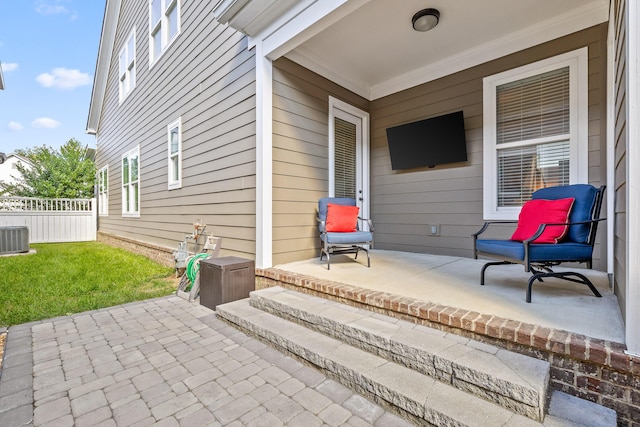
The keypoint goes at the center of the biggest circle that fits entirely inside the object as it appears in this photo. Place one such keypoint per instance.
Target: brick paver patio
(164, 362)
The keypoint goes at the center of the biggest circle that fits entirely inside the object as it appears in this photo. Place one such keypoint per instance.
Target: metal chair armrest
(322, 225)
(541, 228)
(369, 223)
(488, 223)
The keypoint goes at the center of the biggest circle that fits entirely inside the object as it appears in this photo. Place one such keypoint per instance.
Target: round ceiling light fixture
(425, 19)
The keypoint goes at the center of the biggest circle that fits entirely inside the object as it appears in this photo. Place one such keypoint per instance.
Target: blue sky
(48, 52)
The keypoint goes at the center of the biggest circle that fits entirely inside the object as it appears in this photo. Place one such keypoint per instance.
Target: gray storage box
(226, 279)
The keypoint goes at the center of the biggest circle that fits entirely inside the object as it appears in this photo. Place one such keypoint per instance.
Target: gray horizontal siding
(406, 202)
(206, 77)
(300, 156)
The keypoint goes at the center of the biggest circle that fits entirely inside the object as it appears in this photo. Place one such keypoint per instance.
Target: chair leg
(484, 267)
(322, 254)
(564, 276)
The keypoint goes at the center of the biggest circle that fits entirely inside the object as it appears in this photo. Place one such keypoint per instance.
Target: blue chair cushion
(322, 204)
(349, 238)
(582, 210)
(565, 251)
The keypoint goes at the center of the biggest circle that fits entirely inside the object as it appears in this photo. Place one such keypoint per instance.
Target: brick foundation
(160, 254)
(592, 369)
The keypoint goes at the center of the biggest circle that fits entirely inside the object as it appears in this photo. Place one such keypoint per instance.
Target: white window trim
(103, 201)
(121, 94)
(577, 61)
(164, 30)
(132, 153)
(170, 183)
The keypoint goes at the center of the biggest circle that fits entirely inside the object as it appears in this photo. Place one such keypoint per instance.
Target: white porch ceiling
(374, 50)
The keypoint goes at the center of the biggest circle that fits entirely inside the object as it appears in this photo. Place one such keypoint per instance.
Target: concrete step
(511, 380)
(423, 398)
(430, 376)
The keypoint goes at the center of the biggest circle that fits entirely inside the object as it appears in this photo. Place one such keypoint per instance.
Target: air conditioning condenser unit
(14, 240)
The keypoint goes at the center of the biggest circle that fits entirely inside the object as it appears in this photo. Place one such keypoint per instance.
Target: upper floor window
(164, 26)
(174, 136)
(535, 131)
(127, 66)
(103, 191)
(131, 183)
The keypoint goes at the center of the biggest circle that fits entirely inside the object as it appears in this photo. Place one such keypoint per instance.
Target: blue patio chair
(343, 242)
(538, 258)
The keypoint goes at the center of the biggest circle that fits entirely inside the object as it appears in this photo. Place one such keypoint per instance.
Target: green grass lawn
(66, 278)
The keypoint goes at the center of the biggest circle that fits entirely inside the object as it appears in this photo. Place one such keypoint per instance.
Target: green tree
(64, 173)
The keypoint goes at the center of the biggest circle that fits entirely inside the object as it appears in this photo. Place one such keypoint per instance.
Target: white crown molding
(305, 58)
(575, 20)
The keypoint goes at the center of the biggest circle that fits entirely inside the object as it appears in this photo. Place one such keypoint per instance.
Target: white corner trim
(633, 178)
(611, 146)
(567, 23)
(264, 156)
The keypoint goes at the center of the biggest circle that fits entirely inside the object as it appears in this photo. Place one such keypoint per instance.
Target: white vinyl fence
(51, 220)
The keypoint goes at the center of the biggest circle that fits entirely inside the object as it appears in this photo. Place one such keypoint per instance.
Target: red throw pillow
(540, 211)
(341, 218)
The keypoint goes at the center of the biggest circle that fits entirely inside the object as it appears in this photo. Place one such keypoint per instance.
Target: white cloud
(45, 123)
(9, 66)
(64, 78)
(54, 7)
(15, 126)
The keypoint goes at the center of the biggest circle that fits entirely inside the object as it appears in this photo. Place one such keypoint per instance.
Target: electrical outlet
(434, 229)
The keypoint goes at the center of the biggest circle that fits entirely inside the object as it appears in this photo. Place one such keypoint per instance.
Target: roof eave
(1, 78)
(105, 49)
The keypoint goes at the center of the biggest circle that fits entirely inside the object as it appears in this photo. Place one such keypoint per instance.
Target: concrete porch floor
(455, 282)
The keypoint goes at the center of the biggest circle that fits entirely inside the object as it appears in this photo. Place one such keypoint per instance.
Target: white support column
(264, 156)
(633, 179)
(611, 146)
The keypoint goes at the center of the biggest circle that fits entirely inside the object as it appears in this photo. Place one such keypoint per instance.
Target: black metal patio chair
(569, 240)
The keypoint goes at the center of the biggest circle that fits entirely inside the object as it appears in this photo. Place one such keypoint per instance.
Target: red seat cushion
(341, 218)
(541, 211)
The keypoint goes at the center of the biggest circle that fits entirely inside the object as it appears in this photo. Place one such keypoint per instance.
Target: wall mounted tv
(430, 142)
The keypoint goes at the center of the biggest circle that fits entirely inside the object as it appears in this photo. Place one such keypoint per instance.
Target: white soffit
(374, 51)
(252, 16)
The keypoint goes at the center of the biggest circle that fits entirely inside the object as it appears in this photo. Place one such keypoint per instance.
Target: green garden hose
(193, 266)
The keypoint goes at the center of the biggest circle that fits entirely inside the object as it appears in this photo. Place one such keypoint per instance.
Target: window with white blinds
(534, 107)
(174, 154)
(527, 111)
(522, 170)
(103, 191)
(345, 158)
(534, 129)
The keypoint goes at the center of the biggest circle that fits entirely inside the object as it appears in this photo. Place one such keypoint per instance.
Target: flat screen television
(430, 142)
